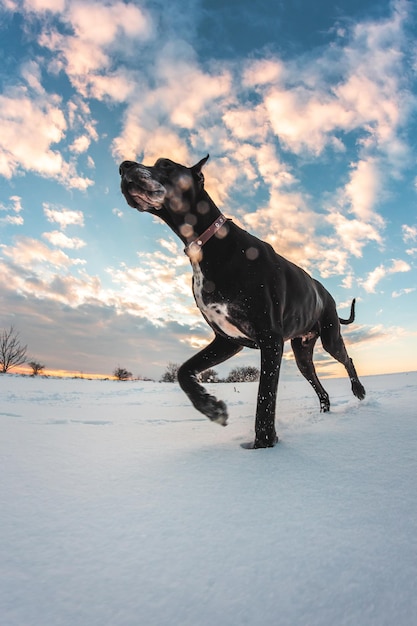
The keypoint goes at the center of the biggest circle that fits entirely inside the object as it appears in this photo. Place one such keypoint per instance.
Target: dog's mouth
(141, 190)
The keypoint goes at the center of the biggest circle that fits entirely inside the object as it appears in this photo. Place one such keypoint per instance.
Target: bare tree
(12, 351)
(122, 374)
(171, 373)
(36, 367)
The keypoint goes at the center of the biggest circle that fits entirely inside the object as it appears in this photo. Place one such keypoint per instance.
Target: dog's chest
(216, 314)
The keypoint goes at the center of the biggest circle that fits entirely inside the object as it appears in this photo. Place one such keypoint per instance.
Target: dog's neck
(193, 249)
(190, 226)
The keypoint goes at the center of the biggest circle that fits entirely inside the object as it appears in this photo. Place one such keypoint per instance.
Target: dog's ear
(196, 170)
(199, 166)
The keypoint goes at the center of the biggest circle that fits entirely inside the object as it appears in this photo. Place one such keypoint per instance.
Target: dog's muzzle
(141, 190)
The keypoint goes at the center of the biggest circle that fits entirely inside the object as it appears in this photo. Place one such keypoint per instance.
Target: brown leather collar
(195, 246)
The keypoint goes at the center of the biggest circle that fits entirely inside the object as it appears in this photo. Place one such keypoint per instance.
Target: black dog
(248, 294)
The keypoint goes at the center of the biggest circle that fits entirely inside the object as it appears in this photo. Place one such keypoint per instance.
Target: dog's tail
(352, 314)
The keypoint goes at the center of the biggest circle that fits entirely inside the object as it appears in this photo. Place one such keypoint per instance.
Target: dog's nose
(126, 165)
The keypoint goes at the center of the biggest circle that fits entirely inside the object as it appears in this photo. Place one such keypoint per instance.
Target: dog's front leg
(271, 356)
(219, 350)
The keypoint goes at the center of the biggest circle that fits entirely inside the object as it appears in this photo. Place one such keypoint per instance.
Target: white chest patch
(214, 313)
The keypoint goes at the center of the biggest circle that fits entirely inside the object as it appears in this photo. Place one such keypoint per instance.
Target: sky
(308, 112)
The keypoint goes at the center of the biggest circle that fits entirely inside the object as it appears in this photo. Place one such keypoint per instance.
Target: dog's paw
(216, 411)
(358, 389)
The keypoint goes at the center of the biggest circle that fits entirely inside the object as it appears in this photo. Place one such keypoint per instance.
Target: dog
(249, 295)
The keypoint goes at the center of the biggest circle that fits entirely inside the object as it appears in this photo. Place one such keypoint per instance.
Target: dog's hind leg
(333, 343)
(303, 352)
(219, 350)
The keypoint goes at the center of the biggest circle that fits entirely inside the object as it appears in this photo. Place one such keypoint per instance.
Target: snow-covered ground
(123, 506)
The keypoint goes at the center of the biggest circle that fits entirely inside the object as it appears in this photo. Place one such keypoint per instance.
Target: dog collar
(196, 245)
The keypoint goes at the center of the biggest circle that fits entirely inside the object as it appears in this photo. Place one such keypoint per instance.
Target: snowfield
(123, 506)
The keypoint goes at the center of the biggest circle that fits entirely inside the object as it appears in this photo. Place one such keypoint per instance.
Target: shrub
(246, 374)
(209, 376)
(36, 367)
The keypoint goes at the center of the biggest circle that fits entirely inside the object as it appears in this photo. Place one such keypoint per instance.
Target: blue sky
(308, 111)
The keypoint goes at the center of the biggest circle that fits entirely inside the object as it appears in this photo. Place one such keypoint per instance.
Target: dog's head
(166, 184)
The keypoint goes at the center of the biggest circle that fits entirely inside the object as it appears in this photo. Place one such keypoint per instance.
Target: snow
(123, 506)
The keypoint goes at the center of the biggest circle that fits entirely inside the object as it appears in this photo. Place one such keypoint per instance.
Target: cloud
(80, 144)
(355, 85)
(409, 233)
(117, 20)
(117, 212)
(55, 6)
(116, 86)
(158, 116)
(126, 322)
(399, 266)
(32, 123)
(353, 234)
(380, 272)
(362, 189)
(17, 203)
(87, 55)
(60, 240)
(247, 124)
(360, 339)
(34, 271)
(100, 336)
(263, 72)
(354, 88)
(29, 253)
(32, 75)
(30, 126)
(81, 124)
(13, 211)
(63, 217)
(312, 110)
(372, 102)
(286, 222)
(36, 122)
(13, 220)
(158, 288)
(403, 292)
(37, 272)
(172, 246)
(374, 278)
(303, 120)
(362, 335)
